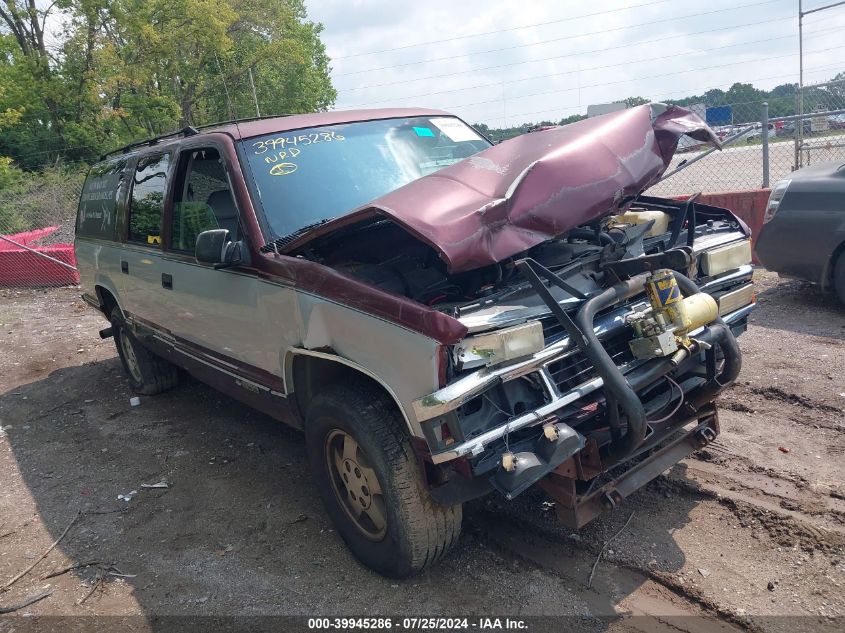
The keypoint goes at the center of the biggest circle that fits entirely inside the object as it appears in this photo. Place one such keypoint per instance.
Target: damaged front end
(601, 372)
(599, 323)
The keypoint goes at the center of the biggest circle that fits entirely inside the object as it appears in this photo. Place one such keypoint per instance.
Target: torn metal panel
(532, 188)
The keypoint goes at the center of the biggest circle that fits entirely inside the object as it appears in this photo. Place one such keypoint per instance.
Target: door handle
(124, 266)
(167, 281)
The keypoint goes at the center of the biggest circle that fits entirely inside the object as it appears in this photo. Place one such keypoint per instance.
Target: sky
(504, 62)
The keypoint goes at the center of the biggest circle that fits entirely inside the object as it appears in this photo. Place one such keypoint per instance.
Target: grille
(552, 330)
(575, 369)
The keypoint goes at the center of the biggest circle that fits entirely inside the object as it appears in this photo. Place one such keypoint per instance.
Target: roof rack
(246, 120)
(188, 130)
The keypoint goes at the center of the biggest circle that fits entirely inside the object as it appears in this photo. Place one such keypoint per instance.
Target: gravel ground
(741, 534)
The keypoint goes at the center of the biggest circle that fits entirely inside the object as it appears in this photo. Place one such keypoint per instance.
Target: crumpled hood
(537, 186)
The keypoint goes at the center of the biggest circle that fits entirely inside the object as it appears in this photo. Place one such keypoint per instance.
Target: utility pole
(799, 127)
(801, 14)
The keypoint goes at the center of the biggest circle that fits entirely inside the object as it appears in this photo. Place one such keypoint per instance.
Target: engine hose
(615, 385)
(619, 392)
(588, 234)
(721, 336)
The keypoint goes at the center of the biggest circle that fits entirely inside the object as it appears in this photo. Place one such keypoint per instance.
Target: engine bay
(385, 255)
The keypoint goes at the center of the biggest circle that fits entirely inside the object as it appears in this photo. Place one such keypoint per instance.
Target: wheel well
(107, 300)
(311, 374)
(828, 280)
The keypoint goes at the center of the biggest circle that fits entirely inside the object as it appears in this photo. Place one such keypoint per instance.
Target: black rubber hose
(619, 392)
(587, 234)
(615, 384)
(722, 336)
(644, 376)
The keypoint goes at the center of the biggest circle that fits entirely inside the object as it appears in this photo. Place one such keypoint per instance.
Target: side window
(147, 206)
(98, 202)
(203, 199)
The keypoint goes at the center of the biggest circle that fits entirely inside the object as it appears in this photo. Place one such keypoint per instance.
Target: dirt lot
(752, 527)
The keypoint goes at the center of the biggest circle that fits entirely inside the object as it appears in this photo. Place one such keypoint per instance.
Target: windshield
(304, 177)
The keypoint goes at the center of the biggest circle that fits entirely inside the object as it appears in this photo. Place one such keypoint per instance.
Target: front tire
(148, 374)
(371, 482)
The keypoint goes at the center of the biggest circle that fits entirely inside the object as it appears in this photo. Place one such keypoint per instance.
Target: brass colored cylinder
(698, 310)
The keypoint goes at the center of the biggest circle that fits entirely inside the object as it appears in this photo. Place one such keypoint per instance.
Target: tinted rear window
(147, 205)
(98, 203)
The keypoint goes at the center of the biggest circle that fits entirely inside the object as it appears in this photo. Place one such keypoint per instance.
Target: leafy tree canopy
(121, 70)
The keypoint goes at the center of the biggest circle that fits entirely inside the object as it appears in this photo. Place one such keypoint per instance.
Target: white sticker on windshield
(456, 130)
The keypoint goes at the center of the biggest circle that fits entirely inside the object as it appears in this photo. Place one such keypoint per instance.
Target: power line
(579, 35)
(661, 75)
(572, 72)
(627, 45)
(511, 28)
(657, 97)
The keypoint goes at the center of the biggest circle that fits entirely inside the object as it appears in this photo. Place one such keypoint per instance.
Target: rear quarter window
(146, 207)
(103, 188)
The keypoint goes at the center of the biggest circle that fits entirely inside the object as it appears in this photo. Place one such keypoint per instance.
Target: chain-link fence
(37, 219)
(801, 128)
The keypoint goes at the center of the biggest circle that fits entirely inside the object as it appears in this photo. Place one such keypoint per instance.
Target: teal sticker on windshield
(423, 131)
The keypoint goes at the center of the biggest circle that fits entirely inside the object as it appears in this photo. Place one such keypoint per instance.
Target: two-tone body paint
(243, 327)
(252, 327)
(251, 321)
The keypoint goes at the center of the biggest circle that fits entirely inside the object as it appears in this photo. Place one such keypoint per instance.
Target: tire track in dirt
(526, 537)
(720, 470)
(636, 590)
(803, 410)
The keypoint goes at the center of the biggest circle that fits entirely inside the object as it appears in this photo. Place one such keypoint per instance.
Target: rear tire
(371, 482)
(839, 276)
(148, 374)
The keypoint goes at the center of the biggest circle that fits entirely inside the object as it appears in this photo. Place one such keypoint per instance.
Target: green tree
(631, 102)
(127, 69)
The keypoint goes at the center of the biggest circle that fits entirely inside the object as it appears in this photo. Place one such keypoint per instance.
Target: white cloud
(592, 59)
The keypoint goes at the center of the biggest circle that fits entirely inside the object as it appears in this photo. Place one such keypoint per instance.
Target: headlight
(725, 258)
(774, 199)
(500, 346)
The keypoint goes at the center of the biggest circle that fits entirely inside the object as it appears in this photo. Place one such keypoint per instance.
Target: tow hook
(705, 436)
(107, 332)
(611, 499)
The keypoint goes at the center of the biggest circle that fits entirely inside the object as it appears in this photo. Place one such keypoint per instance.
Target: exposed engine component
(664, 328)
(659, 220)
(388, 257)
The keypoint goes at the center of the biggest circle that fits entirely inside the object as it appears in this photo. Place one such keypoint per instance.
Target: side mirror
(216, 247)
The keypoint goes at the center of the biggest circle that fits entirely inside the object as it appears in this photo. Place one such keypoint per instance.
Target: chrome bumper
(458, 393)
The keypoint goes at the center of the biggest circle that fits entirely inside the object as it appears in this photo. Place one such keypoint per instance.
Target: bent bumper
(453, 396)
(577, 510)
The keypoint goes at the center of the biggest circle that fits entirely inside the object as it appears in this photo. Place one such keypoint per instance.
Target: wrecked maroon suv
(443, 318)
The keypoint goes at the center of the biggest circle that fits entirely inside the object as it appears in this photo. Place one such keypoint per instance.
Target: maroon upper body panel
(260, 127)
(534, 187)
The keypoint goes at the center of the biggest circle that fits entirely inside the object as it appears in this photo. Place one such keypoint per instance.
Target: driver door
(212, 311)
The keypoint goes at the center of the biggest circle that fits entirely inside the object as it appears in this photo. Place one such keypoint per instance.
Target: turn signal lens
(774, 199)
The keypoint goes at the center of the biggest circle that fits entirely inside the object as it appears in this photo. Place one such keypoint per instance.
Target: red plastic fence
(21, 267)
(749, 206)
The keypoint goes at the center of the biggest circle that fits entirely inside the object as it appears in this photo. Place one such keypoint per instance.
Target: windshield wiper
(281, 242)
